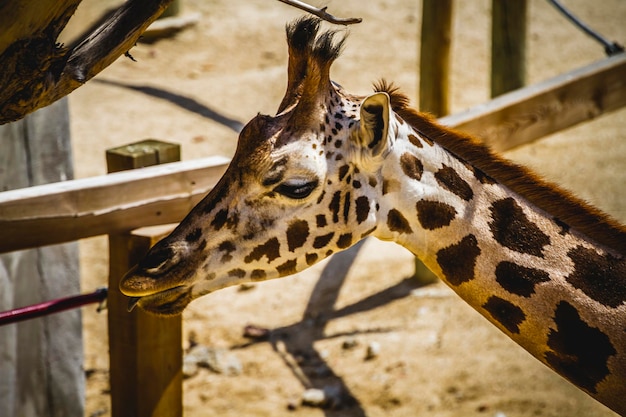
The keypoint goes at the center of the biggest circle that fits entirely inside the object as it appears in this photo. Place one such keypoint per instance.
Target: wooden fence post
(145, 350)
(435, 56)
(508, 46)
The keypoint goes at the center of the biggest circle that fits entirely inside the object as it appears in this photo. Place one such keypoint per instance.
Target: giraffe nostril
(157, 260)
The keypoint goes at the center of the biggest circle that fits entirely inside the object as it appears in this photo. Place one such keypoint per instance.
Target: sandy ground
(437, 356)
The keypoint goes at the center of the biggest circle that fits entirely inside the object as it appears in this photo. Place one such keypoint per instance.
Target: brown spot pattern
(415, 141)
(457, 261)
(343, 170)
(270, 249)
(320, 220)
(194, 235)
(602, 278)
(482, 177)
(237, 273)
(258, 275)
(334, 206)
(344, 241)
(297, 234)
(579, 352)
(311, 258)
(506, 313)
(288, 268)
(449, 179)
(434, 214)
(427, 140)
(362, 209)
(321, 197)
(220, 219)
(227, 247)
(397, 222)
(215, 197)
(321, 241)
(346, 206)
(368, 232)
(512, 229)
(411, 166)
(518, 279)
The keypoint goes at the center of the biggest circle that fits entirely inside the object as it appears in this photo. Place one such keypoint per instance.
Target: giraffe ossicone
(331, 168)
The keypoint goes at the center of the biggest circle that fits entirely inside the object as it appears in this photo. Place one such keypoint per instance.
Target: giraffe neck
(552, 289)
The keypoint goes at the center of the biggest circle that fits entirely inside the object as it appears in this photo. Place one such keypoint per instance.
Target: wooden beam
(72, 210)
(508, 46)
(530, 113)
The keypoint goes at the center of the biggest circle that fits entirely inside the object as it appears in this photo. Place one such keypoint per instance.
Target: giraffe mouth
(170, 302)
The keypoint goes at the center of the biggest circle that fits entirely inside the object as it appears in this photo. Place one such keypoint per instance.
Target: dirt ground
(436, 356)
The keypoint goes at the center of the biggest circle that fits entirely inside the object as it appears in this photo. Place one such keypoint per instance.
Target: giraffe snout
(134, 284)
(158, 271)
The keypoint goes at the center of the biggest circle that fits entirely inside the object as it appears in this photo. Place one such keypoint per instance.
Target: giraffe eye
(296, 189)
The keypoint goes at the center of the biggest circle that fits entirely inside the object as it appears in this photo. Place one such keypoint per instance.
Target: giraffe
(331, 168)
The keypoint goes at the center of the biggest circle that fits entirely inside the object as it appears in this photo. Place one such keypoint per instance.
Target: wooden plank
(41, 361)
(508, 46)
(145, 350)
(435, 56)
(530, 113)
(128, 200)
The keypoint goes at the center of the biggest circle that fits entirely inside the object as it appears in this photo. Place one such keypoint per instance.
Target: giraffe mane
(567, 208)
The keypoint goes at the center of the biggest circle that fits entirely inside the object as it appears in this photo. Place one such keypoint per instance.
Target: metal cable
(611, 48)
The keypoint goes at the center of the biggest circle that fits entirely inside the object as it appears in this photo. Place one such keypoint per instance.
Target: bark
(36, 70)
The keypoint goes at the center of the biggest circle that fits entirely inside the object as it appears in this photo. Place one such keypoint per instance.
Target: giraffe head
(301, 186)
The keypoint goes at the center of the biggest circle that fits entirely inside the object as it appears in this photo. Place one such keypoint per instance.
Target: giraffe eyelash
(297, 189)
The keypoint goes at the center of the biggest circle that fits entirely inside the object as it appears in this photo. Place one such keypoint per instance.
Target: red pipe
(52, 306)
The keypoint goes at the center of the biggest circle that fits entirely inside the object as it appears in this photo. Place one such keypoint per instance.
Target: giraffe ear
(374, 124)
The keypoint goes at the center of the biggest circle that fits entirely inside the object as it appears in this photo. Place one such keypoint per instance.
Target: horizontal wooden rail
(122, 201)
(82, 208)
(532, 112)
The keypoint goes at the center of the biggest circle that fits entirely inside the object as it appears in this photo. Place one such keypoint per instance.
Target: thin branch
(321, 13)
